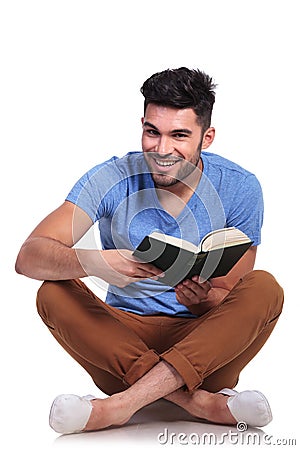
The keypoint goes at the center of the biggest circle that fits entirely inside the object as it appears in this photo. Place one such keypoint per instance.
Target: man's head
(182, 88)
(176, 124)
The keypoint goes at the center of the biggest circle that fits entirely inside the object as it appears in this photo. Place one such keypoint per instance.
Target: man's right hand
(120, 268)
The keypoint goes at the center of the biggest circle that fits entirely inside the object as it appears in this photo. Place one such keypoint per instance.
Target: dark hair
(182, 88)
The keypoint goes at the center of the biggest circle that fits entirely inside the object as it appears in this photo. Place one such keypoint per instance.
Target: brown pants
(117, 348)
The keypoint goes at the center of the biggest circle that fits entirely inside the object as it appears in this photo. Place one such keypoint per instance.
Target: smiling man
(186, 343)
(168, 148)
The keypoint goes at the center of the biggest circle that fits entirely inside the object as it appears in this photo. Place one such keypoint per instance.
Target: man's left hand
(192, 292)
(199, 296)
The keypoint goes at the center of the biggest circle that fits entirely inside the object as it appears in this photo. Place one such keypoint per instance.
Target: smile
(165, 163)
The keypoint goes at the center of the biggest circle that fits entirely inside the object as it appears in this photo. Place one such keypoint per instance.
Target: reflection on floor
(163, 424)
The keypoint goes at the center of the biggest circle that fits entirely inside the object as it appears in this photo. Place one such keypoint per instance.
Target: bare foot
(204, 405)
(108, 411)
(119, 408)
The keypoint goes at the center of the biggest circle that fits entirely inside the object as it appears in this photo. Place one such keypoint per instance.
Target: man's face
(171, 141)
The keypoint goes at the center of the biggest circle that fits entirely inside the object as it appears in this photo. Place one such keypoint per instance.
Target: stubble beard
(188, 167)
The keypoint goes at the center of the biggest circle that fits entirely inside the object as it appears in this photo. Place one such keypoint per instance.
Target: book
(214, 257)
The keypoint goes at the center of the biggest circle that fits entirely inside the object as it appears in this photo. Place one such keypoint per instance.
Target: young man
(187, 343)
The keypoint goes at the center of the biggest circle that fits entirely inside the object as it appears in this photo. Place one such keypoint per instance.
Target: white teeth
(165, 163)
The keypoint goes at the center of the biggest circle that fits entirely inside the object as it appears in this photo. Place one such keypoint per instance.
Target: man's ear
(208, 137)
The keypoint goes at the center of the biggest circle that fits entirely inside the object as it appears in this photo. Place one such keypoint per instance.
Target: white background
(70, 78)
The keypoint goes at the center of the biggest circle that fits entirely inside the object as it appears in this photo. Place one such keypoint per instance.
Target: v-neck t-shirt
(121, 197)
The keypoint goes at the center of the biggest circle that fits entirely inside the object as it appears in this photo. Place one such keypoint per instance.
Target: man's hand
(192, 292)
(199, 296)
(120, 268)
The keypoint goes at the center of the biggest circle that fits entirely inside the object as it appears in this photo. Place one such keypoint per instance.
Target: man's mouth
(165, 162)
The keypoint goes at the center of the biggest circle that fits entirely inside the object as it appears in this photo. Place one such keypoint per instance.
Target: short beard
(161, 180)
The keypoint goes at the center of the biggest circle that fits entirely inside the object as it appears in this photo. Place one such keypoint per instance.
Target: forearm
(47, 259)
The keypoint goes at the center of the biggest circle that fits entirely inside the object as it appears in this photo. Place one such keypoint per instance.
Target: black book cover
(179, 264)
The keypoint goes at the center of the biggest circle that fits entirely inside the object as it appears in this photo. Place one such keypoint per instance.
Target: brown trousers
(117, 348)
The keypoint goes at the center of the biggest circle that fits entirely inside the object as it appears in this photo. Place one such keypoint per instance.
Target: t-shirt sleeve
(92, 192)
(247, 209)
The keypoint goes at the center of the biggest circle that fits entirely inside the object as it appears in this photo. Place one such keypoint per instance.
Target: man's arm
(200, 297)
(48, 253)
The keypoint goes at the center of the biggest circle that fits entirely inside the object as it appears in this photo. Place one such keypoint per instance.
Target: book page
(177, 242)
(224, 237)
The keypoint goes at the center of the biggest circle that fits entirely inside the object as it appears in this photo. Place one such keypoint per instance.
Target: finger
(181, 298)
(148, 267)
(143, 272)
(204, 284)
(186, 296)
(193, 287)
(200, 280)
(196, 278)
(186, 300)
(198, 289)
(151, 270)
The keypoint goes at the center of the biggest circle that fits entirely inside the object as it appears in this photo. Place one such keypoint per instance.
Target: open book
(214, 257)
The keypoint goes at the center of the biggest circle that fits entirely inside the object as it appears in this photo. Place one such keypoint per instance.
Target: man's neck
(174, 198)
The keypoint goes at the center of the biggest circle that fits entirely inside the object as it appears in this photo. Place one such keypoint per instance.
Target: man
(187, 343)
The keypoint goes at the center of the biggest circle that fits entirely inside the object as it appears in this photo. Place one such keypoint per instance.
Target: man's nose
(164, 146)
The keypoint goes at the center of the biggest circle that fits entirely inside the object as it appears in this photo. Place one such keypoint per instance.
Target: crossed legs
(207, 354)
(161, 381)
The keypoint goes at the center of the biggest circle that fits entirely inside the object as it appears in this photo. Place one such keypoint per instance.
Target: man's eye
(152, 132)
(180, 135)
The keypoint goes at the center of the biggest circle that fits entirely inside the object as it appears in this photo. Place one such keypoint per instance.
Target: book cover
(178, 263)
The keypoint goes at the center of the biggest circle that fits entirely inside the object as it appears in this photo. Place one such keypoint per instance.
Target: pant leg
(94, 334)
(105, 381)
(225, 339)
(209, 351)
(228, 375)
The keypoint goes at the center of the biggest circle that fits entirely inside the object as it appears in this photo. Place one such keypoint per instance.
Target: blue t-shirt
(120, 195)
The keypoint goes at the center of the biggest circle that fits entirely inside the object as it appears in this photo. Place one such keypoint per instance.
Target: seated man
(186, 343)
